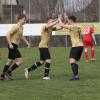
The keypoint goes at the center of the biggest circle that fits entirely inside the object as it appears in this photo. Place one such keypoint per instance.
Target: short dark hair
(73, 18)
(21, 16)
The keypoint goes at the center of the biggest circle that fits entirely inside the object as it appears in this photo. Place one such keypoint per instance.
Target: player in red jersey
(89, 40)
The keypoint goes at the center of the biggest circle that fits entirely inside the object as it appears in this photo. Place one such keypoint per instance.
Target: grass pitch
(59, 87)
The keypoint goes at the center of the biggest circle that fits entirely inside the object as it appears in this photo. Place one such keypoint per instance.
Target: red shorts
(88, 43)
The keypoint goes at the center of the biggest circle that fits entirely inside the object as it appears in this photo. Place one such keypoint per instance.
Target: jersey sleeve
(14, 29)
(43, 28)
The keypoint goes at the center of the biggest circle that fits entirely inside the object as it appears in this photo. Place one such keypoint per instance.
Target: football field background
(59, 87)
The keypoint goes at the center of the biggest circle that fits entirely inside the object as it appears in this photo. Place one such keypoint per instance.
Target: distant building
(9, 2)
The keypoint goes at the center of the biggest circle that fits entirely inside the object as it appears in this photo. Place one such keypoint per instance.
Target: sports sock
(6, 67)
(92, 53)
(74, 68)
(47, 69)
(34, 66)
(86, 55)
(14, 66)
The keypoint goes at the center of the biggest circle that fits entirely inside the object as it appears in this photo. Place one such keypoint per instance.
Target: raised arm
(51, 24)
(62, 24)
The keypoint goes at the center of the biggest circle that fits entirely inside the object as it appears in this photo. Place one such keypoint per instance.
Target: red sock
(92, 53)
(86, 55)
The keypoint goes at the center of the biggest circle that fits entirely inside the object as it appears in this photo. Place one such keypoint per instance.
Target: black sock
(74, 68)
(47, 69)
(6, 67)
(34, 66)
(14, 66)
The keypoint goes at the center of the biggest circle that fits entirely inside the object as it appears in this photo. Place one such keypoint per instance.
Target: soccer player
(77, 45)
(45, 57)
(89, 40)
(13, 37)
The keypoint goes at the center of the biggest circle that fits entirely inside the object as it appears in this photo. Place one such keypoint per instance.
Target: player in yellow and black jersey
(45, 57)
(77, 44)
(14, 36)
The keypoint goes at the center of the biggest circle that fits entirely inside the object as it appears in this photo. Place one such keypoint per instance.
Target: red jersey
(87, 34)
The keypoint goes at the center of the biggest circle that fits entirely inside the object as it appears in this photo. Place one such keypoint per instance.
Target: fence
(38, 10)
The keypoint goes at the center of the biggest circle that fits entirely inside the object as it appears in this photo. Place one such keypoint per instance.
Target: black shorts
(14, 53)
(76, 52)
(44, 54)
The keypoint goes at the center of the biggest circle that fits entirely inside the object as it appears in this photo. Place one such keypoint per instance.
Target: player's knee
(48, 61)
(92, 48)
(19, 62)
(85, 49)
(72, 61)
(9, 62)
(42, 62)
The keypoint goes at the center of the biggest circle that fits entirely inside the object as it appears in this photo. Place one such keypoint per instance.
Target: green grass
(59, 87)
